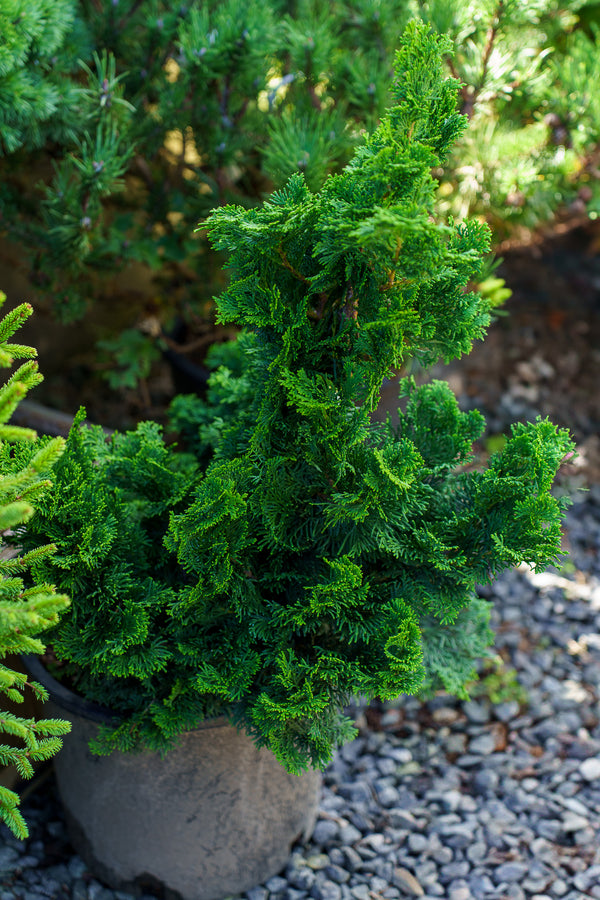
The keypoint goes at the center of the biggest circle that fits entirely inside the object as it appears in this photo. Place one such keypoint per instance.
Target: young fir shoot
(24, 611)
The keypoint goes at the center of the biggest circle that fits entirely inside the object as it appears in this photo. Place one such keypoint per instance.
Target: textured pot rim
(87, 709)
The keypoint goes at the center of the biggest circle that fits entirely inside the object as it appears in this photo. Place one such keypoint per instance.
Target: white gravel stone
(590, 768)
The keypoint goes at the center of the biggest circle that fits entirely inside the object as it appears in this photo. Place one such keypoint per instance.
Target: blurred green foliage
(123, 124)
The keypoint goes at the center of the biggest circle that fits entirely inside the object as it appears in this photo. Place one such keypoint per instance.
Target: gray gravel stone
(442, 855)
(349, 834)
(476, 712)
(459, 890)
(356, 792)
(326, 890)
(417, 843)
(386, 765)
(8, 855)
(360, 892)
(337, 874)
(476, 852)
(583, 881)
(352, 858)
(485, 781)
(510, 871)
(547, 829)
(77, 867)
(484, 744)
(506, 711)
(454, 870)
(301, 877)
(292, 894)
(257, 893)
(572, 821)
(325, 832)
(387, 795)
(275, 884)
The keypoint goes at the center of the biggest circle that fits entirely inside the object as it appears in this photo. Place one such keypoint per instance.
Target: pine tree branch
(489, 42)
(470, 96)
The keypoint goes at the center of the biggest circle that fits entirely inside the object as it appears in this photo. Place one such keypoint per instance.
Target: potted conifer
(299, 553)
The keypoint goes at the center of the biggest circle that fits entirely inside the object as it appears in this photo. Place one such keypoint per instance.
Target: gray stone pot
(215, 817)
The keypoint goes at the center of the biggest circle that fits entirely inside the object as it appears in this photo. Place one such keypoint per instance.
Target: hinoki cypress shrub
(24, 611)
(317, 554)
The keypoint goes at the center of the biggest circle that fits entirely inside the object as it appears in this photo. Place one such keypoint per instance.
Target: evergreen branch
(290, 267)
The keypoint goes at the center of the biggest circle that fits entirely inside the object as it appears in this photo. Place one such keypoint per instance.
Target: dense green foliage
(24, 611)
(131, 120)
(107, 515)
(320, 554)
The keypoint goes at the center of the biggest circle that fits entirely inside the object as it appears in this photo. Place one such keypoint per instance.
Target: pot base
(215, 817)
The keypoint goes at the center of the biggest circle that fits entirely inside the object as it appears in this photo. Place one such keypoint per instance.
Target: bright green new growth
(24, 612)
(321, 555)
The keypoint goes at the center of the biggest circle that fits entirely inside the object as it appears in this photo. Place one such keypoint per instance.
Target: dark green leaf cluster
(24, 611)
(107, 515)
(314, 554)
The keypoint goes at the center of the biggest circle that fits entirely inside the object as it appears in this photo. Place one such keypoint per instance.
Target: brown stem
(469, 96)
(289, 266)
(350, 308)
(467, 100)
(453, 69)
(470, 101)
(490, 38)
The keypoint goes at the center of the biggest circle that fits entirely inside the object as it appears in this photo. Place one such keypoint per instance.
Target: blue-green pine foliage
(309, 554)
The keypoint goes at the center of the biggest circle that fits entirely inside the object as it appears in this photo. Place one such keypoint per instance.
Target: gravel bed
(445, 799)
